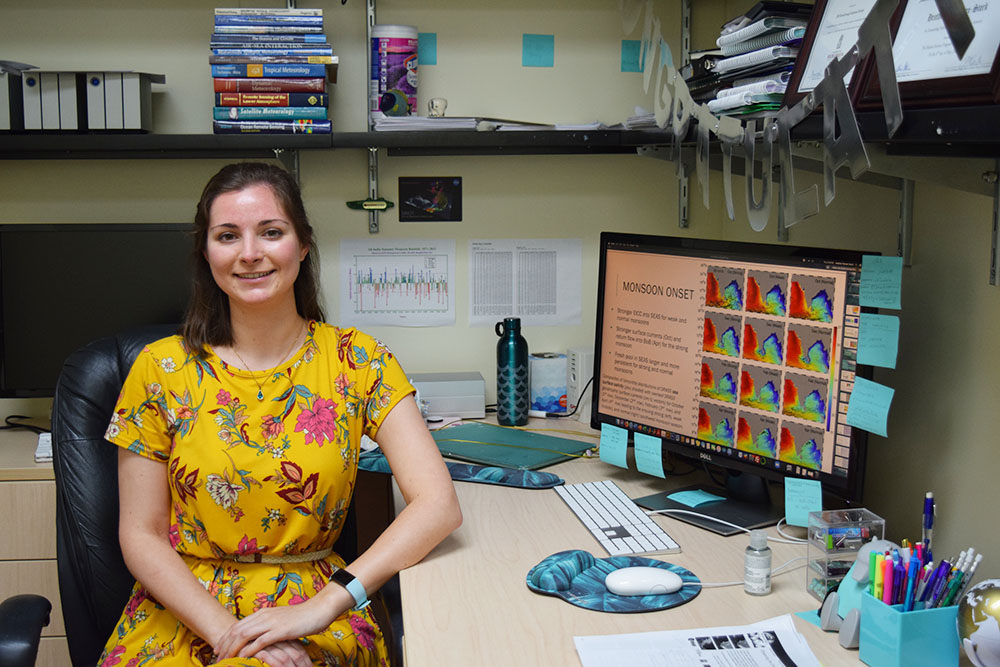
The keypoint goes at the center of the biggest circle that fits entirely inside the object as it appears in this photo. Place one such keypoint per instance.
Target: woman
(239, 451)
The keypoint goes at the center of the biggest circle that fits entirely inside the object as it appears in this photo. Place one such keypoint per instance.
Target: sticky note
(427, 48)
(694, 497)
(614, 445)
(631, 55)
(649, 454)
(538, 50)
(878, 340)
(801, 497)
(869, 406)
(881, 281)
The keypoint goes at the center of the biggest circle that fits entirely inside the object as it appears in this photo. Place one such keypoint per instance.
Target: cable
(9, 424)
(575, 407)
(723, 522)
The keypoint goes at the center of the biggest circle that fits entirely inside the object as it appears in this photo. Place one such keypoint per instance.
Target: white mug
(436, 106)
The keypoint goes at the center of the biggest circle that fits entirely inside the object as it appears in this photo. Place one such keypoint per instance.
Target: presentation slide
(734, 354)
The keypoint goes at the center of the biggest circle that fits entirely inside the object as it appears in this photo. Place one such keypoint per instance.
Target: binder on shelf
(120, 100)
(11, 102)
(31, 97)
(94, 83)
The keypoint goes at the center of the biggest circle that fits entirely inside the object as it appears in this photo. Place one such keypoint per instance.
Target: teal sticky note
(868, 408)
(881, 281)
(427, 48)
(614, 445)
(631, 55)
(649, 454)
(694, 497)
(811, 616)
(538, 50)
(801, 497)
(878, 340)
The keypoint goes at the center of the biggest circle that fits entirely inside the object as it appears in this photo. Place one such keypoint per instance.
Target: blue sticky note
(614, 445)
(649, 454)
(811, 616)
(538, 50)
(878, 340)
(881, 281)
(631, 55)
(801, 497)
(694, 497)
(427, 48)
(868, 408)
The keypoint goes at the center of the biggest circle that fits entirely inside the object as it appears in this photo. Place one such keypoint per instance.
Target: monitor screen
(65, 285)
(740, 355)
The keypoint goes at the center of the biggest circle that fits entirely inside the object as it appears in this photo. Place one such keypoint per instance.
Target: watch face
(342, 577)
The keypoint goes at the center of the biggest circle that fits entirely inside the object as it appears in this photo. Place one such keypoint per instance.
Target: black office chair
(94, 583)
(22, 618)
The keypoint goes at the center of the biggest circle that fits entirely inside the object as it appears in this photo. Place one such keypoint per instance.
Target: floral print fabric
(247, 476)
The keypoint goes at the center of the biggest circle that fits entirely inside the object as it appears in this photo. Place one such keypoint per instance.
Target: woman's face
(252, 248)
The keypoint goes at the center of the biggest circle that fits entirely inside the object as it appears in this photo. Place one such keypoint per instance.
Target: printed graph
(757, 434)
(724, 288)
(759, 388)
(717, 424)
(801, 445)
(810, 348)
(763, 340)
(766, 293)
(722, 334)
(718, 379)
(811, 298)
(387, 285)
(804, 397)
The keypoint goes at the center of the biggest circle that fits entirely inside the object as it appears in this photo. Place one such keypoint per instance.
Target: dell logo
(703, 455)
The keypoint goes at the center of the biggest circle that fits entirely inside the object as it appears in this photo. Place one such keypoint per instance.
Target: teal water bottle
(513, 390)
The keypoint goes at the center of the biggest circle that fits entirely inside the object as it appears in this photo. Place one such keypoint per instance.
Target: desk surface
(17, 457)
(468, 599)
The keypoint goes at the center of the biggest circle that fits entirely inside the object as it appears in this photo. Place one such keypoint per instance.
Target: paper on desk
(771, 643)
(43, 452)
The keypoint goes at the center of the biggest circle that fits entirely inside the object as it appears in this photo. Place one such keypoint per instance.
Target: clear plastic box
(834, 538)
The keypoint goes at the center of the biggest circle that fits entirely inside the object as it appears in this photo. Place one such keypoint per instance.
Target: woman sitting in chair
(239, 449)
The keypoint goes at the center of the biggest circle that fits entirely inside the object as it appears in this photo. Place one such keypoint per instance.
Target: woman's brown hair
(207, 320)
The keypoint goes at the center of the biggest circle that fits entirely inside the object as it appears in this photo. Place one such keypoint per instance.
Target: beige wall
(941, 428)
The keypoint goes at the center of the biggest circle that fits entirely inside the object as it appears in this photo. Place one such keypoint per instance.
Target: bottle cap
(758, 539)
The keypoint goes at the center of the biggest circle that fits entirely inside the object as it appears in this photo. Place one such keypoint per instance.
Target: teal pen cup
(891, 637)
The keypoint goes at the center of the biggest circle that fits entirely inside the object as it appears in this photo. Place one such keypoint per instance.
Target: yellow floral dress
(270, 476)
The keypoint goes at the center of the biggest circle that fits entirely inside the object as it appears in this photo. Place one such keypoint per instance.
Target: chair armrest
(22, 618)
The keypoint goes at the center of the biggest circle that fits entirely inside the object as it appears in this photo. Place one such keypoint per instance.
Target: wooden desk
(28, 526)
(467, 602)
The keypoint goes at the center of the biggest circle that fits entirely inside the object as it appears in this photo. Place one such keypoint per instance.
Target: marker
(872, 560)
(879, 573)
(887, 582)
(928, 525)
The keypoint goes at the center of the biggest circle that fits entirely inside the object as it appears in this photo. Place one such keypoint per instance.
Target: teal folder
(505, 447)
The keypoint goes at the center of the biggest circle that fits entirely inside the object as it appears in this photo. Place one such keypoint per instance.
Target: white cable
(725, 523)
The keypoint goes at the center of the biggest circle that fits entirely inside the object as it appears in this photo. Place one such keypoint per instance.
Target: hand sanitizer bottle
(757, 564)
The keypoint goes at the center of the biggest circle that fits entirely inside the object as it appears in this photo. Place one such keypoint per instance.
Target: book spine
(271, 99)
(259, 40)
(268, 20)
(754, 58)
(249, 60)
(256, 70)
(267, 11)
(270, 85)
(268, 113)
(304, 51)
(267, 29)
(270, 46)
(272, 127)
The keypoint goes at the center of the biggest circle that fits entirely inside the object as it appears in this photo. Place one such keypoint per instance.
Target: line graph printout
(407, 283)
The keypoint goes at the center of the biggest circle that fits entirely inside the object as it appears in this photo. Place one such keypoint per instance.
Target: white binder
(94, 83)
(4, 101)
(68, 116)
(49, 82)
(31, 95)
(114, 113)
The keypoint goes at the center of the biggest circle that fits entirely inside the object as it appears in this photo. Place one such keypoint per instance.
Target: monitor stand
(745, 502)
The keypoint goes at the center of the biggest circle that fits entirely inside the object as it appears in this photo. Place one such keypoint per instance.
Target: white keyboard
(619, 524)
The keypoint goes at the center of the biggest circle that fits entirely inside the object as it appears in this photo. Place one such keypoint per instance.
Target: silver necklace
(253, 376)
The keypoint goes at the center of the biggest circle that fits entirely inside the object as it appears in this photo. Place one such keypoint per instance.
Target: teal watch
(353, 586)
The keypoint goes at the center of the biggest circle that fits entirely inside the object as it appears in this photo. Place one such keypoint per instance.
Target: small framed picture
(430, 198)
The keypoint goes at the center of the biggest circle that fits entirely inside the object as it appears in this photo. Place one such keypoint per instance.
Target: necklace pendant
(260, 394)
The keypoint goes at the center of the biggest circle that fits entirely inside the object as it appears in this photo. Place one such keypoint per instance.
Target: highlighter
(887, 581)
(879, 572)
(872, 561)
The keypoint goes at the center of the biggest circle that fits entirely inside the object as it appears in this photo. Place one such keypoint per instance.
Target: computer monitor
(65, 285)
(740, 355)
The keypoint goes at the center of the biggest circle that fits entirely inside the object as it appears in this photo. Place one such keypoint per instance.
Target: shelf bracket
(372, 188)
(683, 181)
(289, 159)
(994, 259)
(905, 246)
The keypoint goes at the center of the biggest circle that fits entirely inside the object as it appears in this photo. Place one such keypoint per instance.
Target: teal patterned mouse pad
(506, 447)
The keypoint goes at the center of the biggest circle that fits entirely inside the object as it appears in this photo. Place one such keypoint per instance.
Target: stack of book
(748, 73)
(269, 69)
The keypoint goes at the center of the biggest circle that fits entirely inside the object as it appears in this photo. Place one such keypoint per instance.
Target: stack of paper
(43, 452)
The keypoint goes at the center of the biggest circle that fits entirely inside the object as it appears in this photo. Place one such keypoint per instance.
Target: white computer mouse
(642, 580)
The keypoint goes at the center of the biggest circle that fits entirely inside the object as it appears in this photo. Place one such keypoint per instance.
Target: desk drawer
(34, 576)
(28, 520)
(53, 652)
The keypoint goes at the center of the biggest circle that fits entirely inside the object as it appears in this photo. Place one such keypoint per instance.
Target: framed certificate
(928, 70)
(832, 32)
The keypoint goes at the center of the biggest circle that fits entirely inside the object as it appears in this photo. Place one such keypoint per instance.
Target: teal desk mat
(506, 447)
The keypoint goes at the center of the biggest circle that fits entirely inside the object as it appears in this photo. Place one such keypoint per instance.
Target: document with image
(771, 643)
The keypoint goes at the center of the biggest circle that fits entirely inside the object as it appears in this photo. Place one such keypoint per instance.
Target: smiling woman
(240, 443)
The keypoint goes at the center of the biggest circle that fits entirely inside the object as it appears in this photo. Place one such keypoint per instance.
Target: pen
(932, 582)
(928, 525)
(968, 575)
(939, 585)
(911, 584)
(898, 582)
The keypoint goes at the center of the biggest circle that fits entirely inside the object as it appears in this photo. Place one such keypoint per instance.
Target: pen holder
(891, 637)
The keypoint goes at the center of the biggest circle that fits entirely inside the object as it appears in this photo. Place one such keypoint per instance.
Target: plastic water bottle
(513, 390)
(757, 564)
